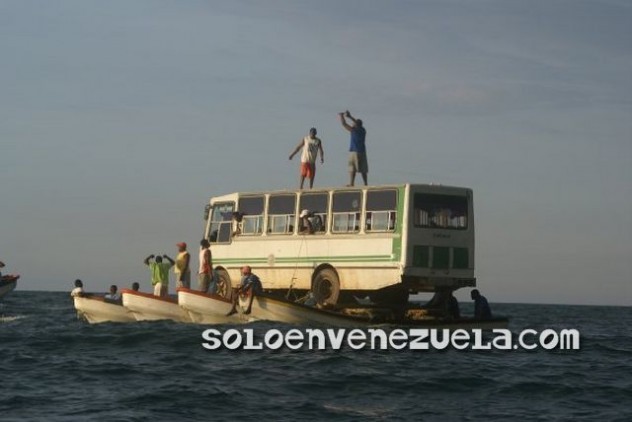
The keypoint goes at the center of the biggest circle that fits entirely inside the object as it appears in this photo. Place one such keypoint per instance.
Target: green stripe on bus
(363, 258)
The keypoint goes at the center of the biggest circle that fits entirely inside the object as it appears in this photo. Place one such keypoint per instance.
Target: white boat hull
(204, 308)
(147, 307)
(274, 309)
(271, 309)
(7, 287)
(95, 310)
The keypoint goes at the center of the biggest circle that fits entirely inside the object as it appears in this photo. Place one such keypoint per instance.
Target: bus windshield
(440, 211)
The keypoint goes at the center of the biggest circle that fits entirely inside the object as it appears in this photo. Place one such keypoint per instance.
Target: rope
(287, 296)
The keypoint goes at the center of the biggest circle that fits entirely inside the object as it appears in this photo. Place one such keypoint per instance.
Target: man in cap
(311, 146)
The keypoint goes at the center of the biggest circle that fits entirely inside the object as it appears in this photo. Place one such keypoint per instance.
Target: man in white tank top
(311, 146)
(206, 266)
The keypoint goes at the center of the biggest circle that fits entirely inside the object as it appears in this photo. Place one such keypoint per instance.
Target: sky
(119, 119)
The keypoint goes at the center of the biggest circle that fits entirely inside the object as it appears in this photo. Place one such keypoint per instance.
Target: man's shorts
(186, 280)
(308, 170)
(161, 289)
(204, 280)
(358, 162)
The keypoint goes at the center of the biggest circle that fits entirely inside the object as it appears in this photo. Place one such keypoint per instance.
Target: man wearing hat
(311, 145)
(181, 269)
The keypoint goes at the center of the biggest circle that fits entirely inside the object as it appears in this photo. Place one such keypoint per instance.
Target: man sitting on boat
(481, 306)
(250, 281)
(114, 295)
(78, 290)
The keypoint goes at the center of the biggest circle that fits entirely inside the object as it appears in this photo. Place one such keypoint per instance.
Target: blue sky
(119, 119)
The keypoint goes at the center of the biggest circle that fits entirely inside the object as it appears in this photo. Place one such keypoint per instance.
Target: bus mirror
(207, 211)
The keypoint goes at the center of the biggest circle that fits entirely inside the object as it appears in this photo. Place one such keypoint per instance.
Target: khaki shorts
(358, 162)
(204, 280)
(161, 289)
(186, 280)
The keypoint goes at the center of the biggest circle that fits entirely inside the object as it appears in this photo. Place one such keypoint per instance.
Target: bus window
(317, 204)
(251, 209)
(221, 222)
(381, 210)
(440, 211)
(346, 212)
(281, 215)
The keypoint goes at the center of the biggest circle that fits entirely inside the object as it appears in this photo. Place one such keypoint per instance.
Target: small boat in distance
(7, 284)
(95, 309)
(205, 308)
(147, 307)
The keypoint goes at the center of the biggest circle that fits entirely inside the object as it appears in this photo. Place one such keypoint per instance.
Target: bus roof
(430, 186)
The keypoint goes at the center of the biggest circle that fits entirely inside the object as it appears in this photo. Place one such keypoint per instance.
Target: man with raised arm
(357, 148)
(159, 273)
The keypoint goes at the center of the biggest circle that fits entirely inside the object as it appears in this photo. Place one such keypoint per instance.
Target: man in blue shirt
(481, 307)
(250, 281)
(357, 148)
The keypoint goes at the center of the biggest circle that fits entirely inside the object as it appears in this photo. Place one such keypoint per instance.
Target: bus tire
(224, 287)
(326, 287)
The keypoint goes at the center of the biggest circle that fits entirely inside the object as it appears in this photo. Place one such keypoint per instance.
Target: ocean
(57, 368)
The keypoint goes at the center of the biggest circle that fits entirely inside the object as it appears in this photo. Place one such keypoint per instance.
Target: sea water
(57, 368)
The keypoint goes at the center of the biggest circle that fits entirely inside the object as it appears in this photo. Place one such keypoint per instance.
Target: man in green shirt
(159, 273)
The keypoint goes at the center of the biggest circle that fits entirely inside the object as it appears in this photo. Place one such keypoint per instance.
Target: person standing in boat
(311, 146)
(357, 149)
(181, 269)
(159, 273)
(481, 306)
(205, 272)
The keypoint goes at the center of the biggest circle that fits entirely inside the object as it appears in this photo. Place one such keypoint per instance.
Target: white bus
(372, 240)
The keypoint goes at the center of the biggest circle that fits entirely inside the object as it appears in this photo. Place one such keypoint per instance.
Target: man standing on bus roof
(311, 145)
(206, 266)
(357, 148)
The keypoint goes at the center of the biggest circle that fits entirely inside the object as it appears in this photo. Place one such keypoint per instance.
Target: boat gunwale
(203, 294)
(149, 296)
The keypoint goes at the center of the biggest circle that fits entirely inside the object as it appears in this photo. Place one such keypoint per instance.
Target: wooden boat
(7, 284)
(272, 308)
(269, 308)
(96, 309)
(147, 307)
(204, 308)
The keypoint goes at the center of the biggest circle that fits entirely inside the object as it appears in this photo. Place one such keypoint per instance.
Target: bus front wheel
(224, 287)
(326, 287)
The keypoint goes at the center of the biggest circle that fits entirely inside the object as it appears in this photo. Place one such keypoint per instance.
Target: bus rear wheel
(224, 287)
(326, 287)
